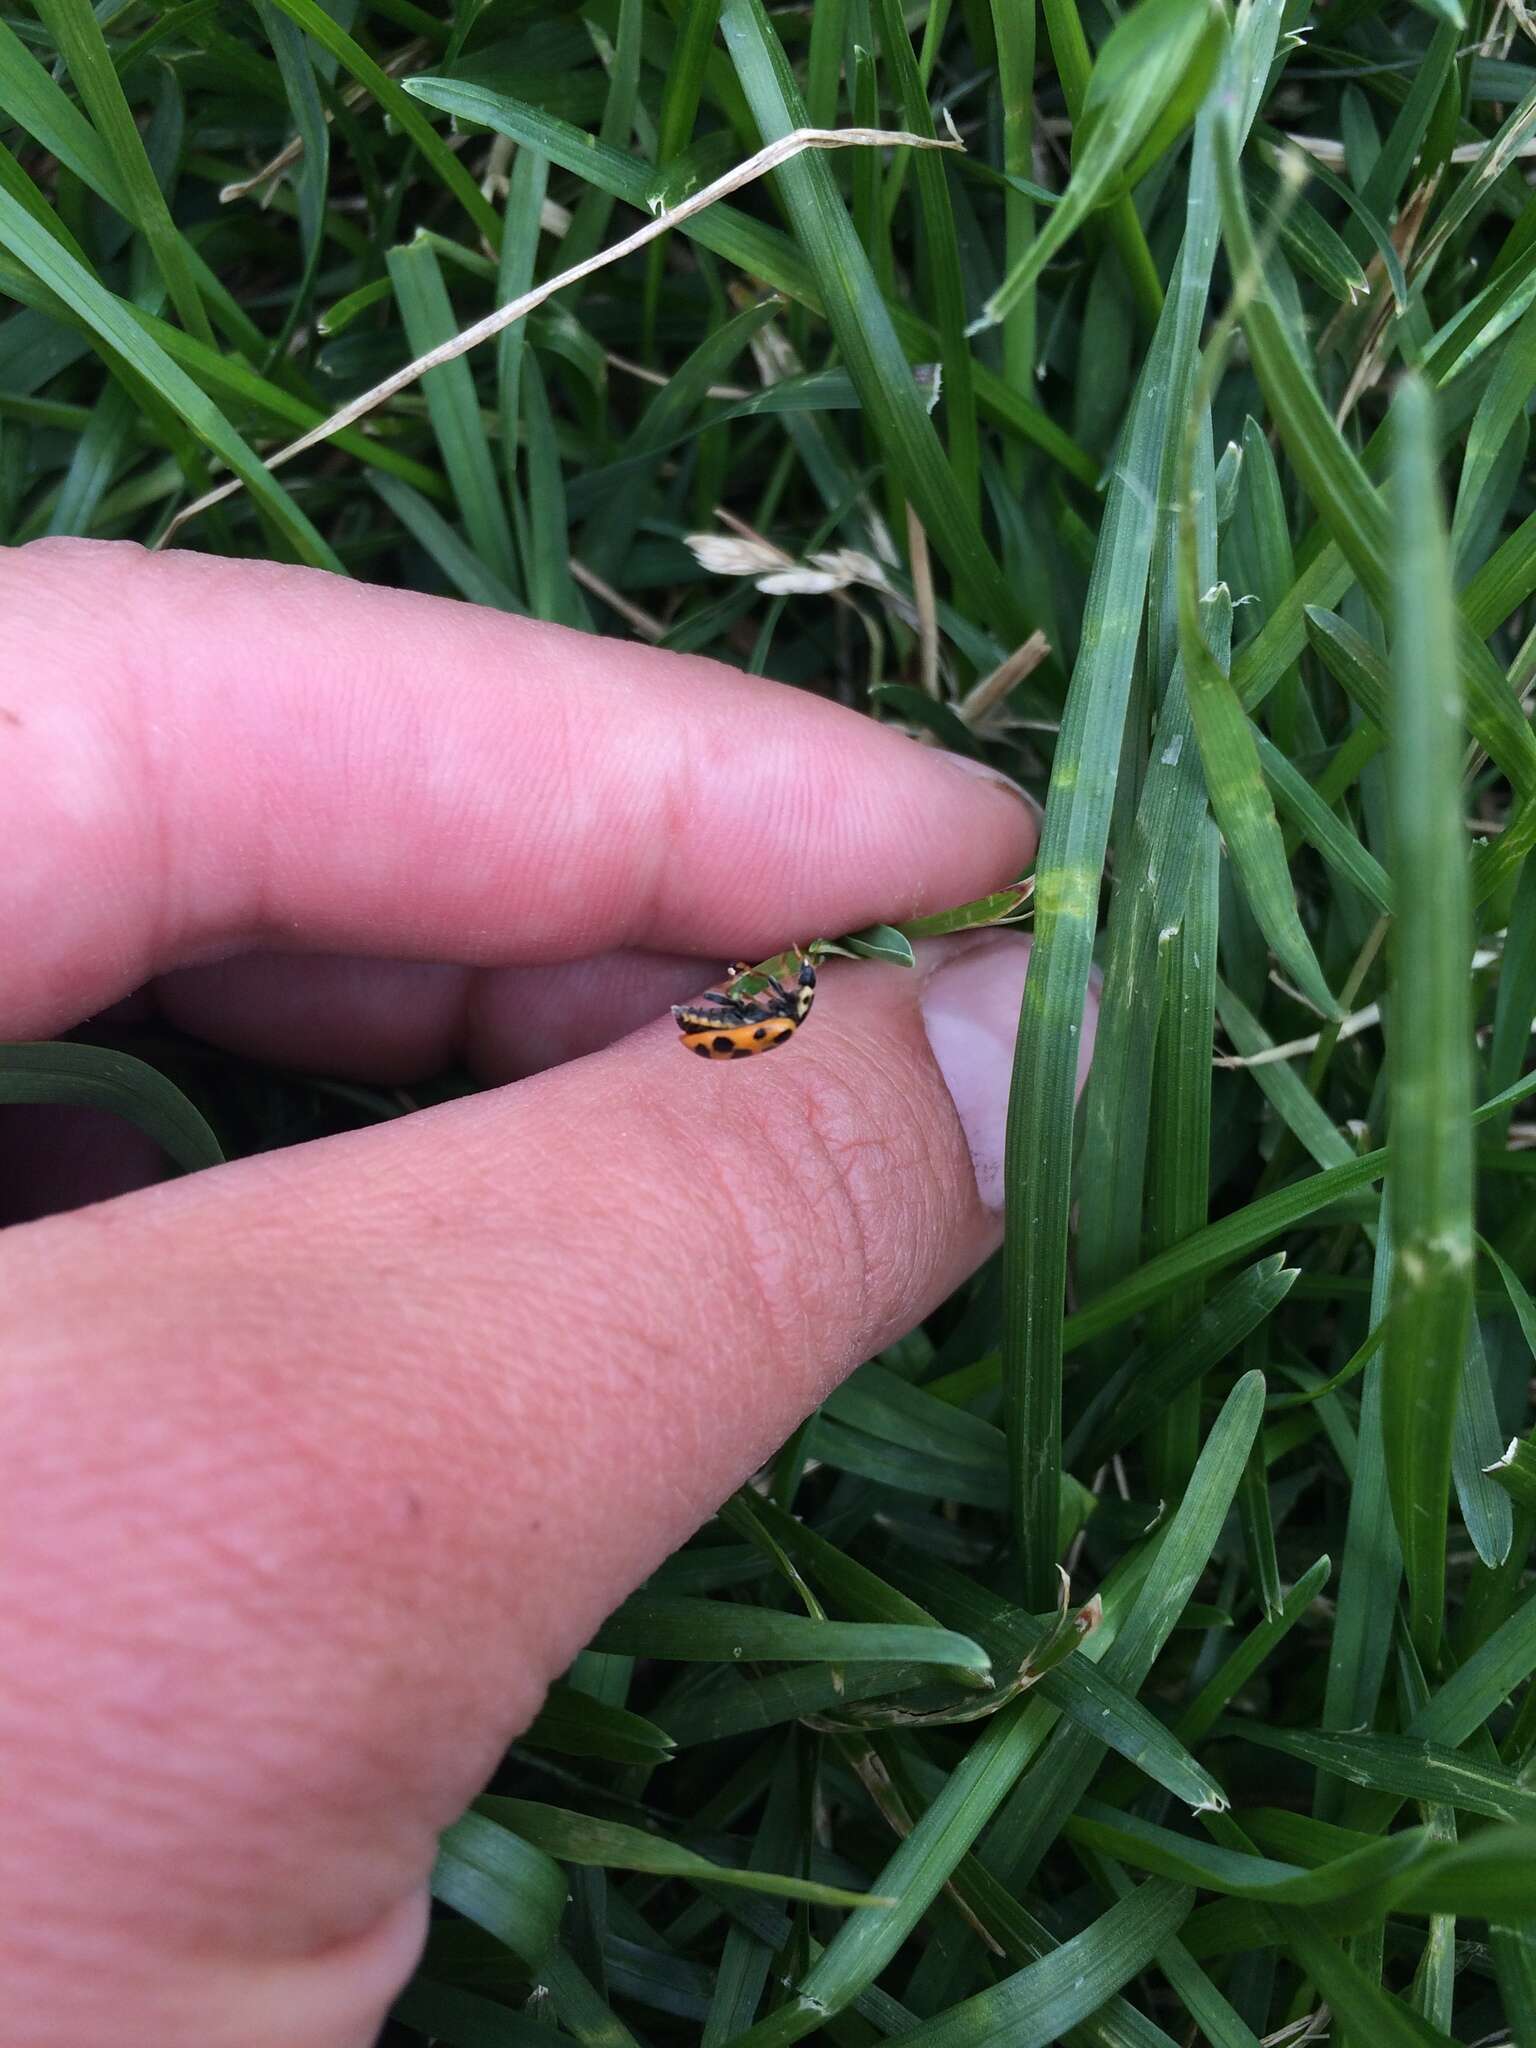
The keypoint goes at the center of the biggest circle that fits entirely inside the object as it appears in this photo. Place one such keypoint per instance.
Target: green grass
(1258, 472)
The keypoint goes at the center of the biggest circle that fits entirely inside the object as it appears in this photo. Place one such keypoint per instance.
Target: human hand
(318, 1467)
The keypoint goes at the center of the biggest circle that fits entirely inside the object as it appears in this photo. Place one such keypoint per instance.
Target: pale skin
(319, 1466)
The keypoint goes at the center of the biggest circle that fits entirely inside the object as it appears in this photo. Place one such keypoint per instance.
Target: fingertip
(971, 1004)
(984, 772)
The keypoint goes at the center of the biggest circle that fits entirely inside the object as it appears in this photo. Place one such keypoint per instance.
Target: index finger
(201, 755)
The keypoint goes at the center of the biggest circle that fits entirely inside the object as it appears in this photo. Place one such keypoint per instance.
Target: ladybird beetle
(726, 1027)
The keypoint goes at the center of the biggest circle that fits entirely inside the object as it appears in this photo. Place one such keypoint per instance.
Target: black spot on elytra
(760, 1032)
(724, 1045)
(701, 1050)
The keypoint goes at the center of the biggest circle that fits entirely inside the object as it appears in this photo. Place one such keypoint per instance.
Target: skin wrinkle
(164, 753)
(59, 770)
(166, 739)
(607, 899)
(860, 1174)
(831, 1208)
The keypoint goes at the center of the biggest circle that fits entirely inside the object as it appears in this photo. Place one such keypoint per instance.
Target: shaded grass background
(1248, 444)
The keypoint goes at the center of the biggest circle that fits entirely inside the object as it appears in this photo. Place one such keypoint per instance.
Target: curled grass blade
(1083, 1691)
(97, 1077)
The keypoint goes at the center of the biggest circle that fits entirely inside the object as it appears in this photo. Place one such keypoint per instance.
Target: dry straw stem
(923, 599)
(1330, 152)
(292, 151)
(984, 696)
(768, 158)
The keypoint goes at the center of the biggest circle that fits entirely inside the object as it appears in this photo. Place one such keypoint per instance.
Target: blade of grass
(1013, 30)
(1078, 1686)
(1038, 2004)
(1285, 1090)
(1227, 742)
(1233, 1236)
(657, 1625)
(682, 93)
(914, 1874)
(1178, 1184)
(78, 36)
(427, 314)
(621, 60)
(1230, 1678)
(581, 1838)
(1345, 498)
(579, 2006)
(1068, 870)
(526, 193)
(1428, 1772)
(98, 1077)
(1514, 1964)
(609, 532)
(572, 1723)
(313, 132)
(1317, 824)
(1485, 1507)
(544, 534)
(94, 466)
(746, 1958)
(463, 2019)
(842, 1578)
(506, 1886)
(1150, 890)
(1431, 1066)
(941, 251)
(1132, 1401)
(1504, 401)
(459, 563)
(1515, 1005)
(1370, 2014)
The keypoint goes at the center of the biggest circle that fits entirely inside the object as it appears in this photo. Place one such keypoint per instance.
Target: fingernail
(970, 1007)
(984, 772)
